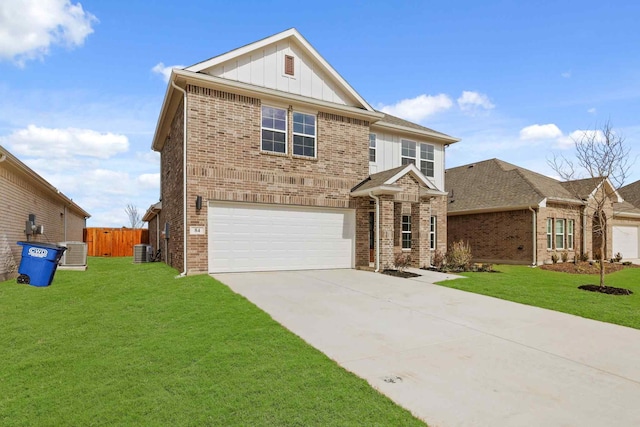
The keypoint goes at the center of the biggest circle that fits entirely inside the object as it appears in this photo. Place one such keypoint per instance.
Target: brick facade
(22, 195)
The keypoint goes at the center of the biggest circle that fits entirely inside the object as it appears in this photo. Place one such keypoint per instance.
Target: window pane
(372, 140)
(304, 146)
(298, 127)
(426, 168)
(559, 226)
(372, 154)
(304, 123)
(559, 241)
(426, 152)
(274, 118)
(408, 148)
(406, 161)
(273, 141)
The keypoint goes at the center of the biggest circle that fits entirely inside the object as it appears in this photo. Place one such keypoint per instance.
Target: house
(24, 193)
(509, 214)
(270, 160)
(152, 218)
(626, 223)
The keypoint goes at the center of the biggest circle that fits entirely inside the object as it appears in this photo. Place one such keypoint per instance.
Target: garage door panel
(247, 237)
(626, 241)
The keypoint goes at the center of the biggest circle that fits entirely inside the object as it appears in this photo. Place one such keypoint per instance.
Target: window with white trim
(274, 129)
(432, 233)
(406, 231)
(570, 225)
(559, 233)
(421, 155)
(372, 147)
(304, 134)
(408, 154)
(549, 233)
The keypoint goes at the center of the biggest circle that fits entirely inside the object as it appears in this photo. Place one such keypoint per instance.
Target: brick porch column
(420, 226)
(386, 231)
(362, 231)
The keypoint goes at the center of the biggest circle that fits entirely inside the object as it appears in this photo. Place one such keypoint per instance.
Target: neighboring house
(626, 223)
(270, 160)
(509, 214)
(23, 192)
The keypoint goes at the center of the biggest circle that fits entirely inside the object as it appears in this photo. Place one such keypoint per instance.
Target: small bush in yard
(459, 256)
(584, 257)
(402, 261)
(554, 258)
(618, 257)
(564, 256)
(437, 260)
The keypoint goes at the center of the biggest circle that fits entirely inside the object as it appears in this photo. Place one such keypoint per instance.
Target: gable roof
(497, 185)
(293, 35)
(396, 123)
(631, 193)
(384, 182)
(6, 156)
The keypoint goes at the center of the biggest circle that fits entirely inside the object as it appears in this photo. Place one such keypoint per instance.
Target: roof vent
(470, 166)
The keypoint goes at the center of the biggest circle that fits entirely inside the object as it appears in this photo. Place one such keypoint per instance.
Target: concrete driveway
(455, 358)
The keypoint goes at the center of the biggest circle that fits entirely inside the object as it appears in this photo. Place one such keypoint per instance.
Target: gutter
(377, 199)
(184, 178)
(535, 237)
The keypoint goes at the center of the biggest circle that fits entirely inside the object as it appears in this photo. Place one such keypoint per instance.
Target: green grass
(127, 344)
(558, 291)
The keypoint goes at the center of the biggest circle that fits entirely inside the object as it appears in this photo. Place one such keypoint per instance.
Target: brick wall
(21, 196)
(171, 173)
(225, 163)
(500, 237)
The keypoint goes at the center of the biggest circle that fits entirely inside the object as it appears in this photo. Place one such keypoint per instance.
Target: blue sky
(80, 87)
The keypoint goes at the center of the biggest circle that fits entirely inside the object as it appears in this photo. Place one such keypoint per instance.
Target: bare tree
(601, 155)
(133, 215)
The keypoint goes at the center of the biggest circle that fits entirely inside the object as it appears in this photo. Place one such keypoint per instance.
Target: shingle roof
(393, 120)
(495, 184)
(631, 193)
(377, 179)
(626, 207)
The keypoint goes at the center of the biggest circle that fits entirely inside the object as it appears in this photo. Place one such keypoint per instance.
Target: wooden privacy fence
(114, 241)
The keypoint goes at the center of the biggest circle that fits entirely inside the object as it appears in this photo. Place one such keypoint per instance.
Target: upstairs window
(421, 155)
(372, 147)
(426, 160)
(408, 154)
(274, 129)
(406, 232)
(304, 135)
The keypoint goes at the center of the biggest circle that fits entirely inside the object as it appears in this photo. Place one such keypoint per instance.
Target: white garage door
(251, 237)
(625, 241)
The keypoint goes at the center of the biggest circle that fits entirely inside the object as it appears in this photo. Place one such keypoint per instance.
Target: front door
(372, 237)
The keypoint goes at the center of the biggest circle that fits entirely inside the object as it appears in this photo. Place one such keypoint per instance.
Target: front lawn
(128, 344)
(558, 291)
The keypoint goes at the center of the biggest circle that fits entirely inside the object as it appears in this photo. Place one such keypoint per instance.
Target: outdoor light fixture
(198, 202)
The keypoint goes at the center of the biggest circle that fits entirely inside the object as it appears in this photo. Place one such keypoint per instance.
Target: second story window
(408, 152)
(426, 160)
(274, 129)
(304, 135)
(372, 147)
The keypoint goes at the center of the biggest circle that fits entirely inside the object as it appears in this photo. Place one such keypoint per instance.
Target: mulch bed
(398, 273)
(585, 267)
(606, 290)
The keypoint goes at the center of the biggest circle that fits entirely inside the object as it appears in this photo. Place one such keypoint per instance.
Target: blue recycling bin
(39, 263)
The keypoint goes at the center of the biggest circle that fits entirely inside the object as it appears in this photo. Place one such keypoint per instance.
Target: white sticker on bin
(38, 252)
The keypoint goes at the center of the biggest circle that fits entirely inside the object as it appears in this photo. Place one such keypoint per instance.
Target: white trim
(403, 232)
(379, 190)
(438, 137)
(295, 35)
(433, 223)
(572, 234)
(286, 128)
(411, 168)
(304, 135)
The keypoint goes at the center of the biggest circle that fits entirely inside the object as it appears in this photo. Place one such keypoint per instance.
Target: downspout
(377, 199)
(184, 177)
(535, 237)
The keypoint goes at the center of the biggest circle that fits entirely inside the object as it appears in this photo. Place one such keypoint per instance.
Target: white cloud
(50, 142)
(471, 101)
(566, 74)
(418, 108)
(28, 28)
(592, 110)
(149, 180)
(165, 71)
(540, 132)
(579, 135)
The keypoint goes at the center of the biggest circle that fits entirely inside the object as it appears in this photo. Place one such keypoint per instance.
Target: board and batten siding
(265, 68)
(389, 151)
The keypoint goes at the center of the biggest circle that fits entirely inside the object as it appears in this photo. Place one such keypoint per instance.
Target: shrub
(459, 256)
(402, 261)
(584, 256)
(564, 256)
(437, 260)
(554, 258)
(618, 257)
